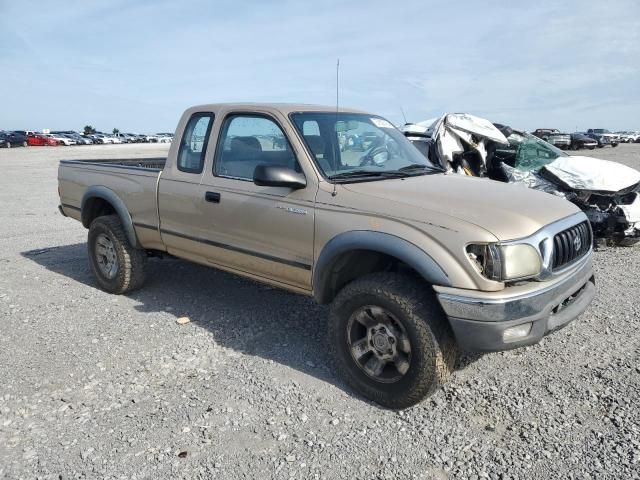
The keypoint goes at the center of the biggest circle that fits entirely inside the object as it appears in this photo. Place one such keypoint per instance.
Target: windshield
(350, 145)
(527, 152)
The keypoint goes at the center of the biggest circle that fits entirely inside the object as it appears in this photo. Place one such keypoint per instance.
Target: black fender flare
(385, 243)
(104, 193)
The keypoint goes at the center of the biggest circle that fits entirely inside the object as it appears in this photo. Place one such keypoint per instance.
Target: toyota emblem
(577, 243)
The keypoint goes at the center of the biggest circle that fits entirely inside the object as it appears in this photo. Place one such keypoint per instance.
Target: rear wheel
(117, 266)
(390, 338)
(8, 144)
(24, 144)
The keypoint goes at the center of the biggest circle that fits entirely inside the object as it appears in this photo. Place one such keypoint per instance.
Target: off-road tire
(433, 348)
(130, 273)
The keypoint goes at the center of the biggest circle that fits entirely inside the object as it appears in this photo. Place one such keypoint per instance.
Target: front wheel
(391, 340)
(117, 266)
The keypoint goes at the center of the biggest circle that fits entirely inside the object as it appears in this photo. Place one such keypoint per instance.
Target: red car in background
(33, 139)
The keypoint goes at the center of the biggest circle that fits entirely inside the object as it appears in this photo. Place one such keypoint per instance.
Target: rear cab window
(193, 145)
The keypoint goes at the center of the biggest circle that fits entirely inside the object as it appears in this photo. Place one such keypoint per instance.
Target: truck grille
(570, 245)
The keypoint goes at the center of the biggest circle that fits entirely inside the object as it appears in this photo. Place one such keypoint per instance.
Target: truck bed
(132, 181)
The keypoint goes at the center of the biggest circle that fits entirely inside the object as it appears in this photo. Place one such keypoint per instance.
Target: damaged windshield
(527, 152)
(355, 147)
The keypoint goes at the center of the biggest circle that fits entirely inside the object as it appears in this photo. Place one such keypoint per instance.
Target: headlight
(505, 262)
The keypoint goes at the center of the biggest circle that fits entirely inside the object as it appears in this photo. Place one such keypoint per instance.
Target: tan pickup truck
(417, 264)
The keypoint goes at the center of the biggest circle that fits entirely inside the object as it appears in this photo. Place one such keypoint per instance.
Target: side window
(247, 141)
(193, 145)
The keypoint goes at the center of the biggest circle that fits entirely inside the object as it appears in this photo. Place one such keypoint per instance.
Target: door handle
(213, 197)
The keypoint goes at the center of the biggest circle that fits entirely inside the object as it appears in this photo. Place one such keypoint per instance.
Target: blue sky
(138, 65)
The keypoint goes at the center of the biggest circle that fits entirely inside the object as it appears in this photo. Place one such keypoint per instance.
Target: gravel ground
(101, 386)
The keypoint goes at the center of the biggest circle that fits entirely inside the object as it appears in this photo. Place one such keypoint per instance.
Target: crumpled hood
(505, 210)
(588, 173)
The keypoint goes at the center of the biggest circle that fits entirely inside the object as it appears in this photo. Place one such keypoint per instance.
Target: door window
(247, 141)
(194, 143)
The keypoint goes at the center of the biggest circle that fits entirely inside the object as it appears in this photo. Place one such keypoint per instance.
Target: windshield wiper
(358, 174)
(420, 166)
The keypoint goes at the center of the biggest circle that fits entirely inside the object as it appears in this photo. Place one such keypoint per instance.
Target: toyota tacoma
(417, 264)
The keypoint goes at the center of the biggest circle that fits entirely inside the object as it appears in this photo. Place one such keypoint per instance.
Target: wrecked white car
(608, 192)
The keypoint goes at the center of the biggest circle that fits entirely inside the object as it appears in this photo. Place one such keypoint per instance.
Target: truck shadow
(246, 316)
(243, 315)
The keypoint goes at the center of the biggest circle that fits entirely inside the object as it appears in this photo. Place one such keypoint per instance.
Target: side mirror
(276, 176)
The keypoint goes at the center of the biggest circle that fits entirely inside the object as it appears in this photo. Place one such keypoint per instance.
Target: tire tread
(411, 295)
(131, 271)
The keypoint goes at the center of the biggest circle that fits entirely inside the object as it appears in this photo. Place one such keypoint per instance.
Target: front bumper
(479, 322)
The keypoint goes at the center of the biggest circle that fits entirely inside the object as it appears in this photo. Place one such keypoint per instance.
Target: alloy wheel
(106, 257)
(379, 344)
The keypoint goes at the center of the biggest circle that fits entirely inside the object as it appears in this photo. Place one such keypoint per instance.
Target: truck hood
(506, 211)
(588, 173)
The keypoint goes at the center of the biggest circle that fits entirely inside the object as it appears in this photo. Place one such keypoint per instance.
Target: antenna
(335, 160)
(337, 86)
(403, 115)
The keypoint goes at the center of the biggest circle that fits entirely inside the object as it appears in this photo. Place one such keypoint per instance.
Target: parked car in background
(75, 137)
(164, 137)
(126, 137)
(608, 192)
(623, 137)
(13, 139)
(581, 141)
(151, 138)
(39, 140)
(628, 137)
(62, 138)
(554, 137)
(603, 137)
(26, 133)
(104, 139)
(82, 140)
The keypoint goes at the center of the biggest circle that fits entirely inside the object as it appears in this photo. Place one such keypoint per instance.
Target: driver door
(266, 232)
